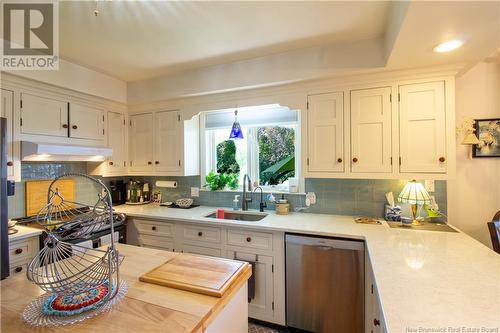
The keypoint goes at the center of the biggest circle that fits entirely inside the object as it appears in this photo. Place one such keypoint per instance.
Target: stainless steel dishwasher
(324, 284)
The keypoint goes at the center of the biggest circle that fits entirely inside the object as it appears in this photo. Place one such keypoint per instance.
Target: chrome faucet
(262, 203)
(244, 199)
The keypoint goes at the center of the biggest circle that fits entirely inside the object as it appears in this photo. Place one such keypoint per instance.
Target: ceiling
(138, 40)
(294, 40)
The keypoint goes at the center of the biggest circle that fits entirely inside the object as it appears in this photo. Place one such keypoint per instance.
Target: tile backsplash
(334, 196)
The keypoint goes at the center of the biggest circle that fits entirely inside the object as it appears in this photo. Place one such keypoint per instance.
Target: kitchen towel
(251, 282)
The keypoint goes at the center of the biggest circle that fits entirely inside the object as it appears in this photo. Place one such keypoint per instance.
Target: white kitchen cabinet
(374, 318)
(7, 111)
(44, 116)
(86, 122)
(117, 140)
(141, 142)
(167, 143)
(202, 250)
(371, 130)
(325, 123)
(262, 305)
(422, 128)
(164, 144)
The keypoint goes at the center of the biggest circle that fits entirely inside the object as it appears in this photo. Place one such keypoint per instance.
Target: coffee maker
(118, 192)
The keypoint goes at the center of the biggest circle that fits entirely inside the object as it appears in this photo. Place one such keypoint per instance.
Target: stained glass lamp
(415, 194)
(236, 132)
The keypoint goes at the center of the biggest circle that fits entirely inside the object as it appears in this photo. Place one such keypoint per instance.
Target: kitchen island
(146, 307)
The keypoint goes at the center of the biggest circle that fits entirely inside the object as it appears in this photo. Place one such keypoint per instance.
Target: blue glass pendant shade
(236, 132)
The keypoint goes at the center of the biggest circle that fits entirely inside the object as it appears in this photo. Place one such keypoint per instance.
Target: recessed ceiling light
(448, 46)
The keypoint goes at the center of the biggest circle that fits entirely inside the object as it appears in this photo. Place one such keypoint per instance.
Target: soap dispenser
(236, 201)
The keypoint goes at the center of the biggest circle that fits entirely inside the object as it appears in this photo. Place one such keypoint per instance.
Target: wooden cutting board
(36, 193)
(199, 274)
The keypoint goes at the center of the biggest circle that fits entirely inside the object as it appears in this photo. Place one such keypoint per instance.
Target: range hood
(32, 151)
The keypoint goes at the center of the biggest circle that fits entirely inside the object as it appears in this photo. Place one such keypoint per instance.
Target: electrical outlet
(195, 192)
(429, 186)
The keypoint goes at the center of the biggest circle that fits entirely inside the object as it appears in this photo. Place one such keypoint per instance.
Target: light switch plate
(195, 192)
(429, 186)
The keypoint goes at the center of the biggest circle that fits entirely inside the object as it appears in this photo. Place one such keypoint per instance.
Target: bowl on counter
(184, 202)
(11, 223)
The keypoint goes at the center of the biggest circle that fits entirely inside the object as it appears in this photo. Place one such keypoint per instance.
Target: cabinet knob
(157, 162)
(355, 159)
(339, 160)
(149, 162)
(19, 251)
(10, 163)
(74, 127)
(442, 159)
(249, 239)
(110, 162)
(200, 233)
(65, 126)
(153, 228)
(376, 322)
(19, 269)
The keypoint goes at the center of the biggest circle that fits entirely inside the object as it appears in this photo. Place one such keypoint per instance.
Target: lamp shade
(470, 139)
(236, 132)
(414, 193)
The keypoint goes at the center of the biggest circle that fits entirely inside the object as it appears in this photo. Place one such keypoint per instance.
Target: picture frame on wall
(488, 133)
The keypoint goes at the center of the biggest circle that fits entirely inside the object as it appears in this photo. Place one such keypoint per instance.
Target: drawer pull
(249, 239)
(10, 163)
(110, 163)
(157, 162)
(339, 160)
(442, 159)
(200, 233)
(149, 162)
(376, 322)
(18, 269)
(74, 127)
(153, 228)
(65, 126)
(19, 251)
(355, 159)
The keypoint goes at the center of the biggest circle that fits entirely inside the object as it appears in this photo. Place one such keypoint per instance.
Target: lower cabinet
(263, 249)
(21, 252)
(374, 318)
(261, 306)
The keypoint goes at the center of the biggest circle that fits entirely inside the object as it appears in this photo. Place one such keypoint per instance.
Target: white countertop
(440, 281)
(24, 232)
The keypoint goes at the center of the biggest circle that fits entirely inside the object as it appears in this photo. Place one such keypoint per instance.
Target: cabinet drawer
(18, 269)
(23, 250)
(156, 242)
(201, 250)
(250, 239)
(198, 233)
(154, 228)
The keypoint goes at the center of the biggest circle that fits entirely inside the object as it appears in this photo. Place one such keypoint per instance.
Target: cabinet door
(43, 116)
(117, 141)
(371, 145)
(167, 141)
(422, 128)
(8, 112)
(86, 122)
(326, 132)
(141, 142)
(262, 305)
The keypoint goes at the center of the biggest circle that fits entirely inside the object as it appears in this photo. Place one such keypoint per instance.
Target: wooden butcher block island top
(146, 307)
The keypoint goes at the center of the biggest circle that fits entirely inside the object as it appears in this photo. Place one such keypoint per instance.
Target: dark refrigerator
(5, 188)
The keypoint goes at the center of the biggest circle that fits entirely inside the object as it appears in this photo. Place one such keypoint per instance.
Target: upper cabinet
(44, 116)
(117, 140)
(86, 122)
(371, 142)
(325, 123)
(162, 143)
(401, 129)
(141, 142)
(422, 128)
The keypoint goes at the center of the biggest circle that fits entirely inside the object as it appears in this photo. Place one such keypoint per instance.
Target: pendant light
(236, 132)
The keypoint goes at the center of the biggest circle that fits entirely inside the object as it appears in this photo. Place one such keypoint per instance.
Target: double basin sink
(239, 216)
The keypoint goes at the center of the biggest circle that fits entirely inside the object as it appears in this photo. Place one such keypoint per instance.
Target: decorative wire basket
(82, 282)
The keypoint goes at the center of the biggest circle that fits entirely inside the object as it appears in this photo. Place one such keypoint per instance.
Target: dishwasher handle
(355, 245)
